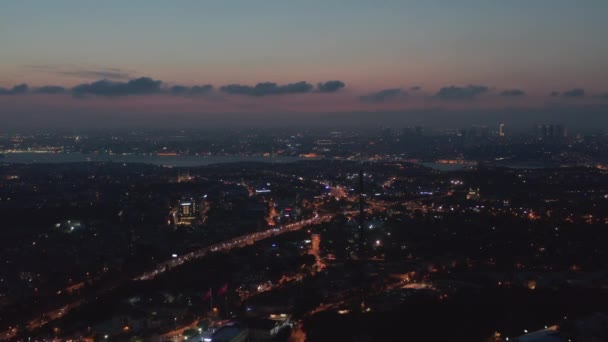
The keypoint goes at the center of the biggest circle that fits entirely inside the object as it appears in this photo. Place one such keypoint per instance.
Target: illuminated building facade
(473, 194)
(187, 211)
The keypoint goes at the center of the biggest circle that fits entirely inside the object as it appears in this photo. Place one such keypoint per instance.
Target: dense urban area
(476, 234)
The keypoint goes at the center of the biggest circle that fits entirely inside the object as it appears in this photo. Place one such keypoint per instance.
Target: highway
(165, 266)
(237, 242)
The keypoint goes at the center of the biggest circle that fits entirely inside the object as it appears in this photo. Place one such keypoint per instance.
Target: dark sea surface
(192, 161)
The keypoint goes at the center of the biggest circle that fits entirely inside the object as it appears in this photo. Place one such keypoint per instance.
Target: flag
(222, 290)
(207, 295)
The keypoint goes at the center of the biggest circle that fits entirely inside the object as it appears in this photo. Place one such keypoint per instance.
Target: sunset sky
(197, 57)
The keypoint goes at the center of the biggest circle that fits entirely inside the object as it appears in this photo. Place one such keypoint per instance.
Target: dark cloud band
(575, 93)
(383, 95)
(16, 90)
(191, 91)
(50, 90)
(512, 93)
(138, 86)
(330, 86)
(455, 93)
(267, 88)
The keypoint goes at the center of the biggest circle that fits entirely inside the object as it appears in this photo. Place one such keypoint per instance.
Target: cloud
(382, 95)
(456, 93)
(105, 74)
(267, 88)
(16, 90)
(50, 90)
(569, 94)
(147, 85)
(138, 86)
(576, 92)
(179, 90)
(90, 73)
(415, 88)
(200, 90)
(194, 90)
(513, 93)
(330, 86)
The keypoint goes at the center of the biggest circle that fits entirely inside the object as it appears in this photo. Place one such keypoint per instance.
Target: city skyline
(303, 171)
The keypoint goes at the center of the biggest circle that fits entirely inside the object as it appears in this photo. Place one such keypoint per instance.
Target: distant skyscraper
(560, 131)
(550, 131)
(477, 132)
(501, 130)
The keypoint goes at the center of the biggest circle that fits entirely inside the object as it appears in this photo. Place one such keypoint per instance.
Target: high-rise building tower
(560, 131)
(501, 130)
(550, 131)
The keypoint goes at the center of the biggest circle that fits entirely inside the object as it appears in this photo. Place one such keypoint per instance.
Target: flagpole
(210, 299)
(226, 297)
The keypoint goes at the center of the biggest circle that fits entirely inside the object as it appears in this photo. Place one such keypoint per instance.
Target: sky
(89, 62)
